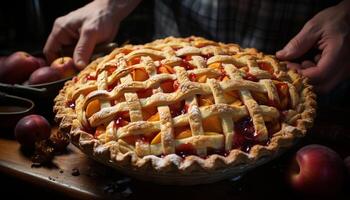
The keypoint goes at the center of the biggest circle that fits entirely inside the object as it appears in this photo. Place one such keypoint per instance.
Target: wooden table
(97, 181)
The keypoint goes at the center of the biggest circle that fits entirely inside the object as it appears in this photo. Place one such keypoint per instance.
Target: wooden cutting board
(94, 180)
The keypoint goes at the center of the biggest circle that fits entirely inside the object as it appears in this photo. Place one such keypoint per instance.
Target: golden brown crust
(113, 152)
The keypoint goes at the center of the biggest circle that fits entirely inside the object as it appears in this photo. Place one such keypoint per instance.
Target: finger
(307, 63)
(58, 38)
(84, 48)
(295, 66)
(300, 44)
(325, 66)
(317, 58)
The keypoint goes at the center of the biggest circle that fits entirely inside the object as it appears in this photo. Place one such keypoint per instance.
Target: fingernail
(280, 53)
(81, 64)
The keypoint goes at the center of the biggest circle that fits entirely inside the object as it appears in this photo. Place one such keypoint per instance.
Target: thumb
(84, 48)
(300, 44)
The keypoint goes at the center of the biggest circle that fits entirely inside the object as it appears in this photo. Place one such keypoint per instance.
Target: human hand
(329, 32)
(94, 23)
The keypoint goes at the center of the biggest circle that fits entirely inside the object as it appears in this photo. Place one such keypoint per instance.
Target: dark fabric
(264, 24)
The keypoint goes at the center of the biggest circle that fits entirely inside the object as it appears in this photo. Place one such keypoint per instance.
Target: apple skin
(30, 129)
(17, 67)
(65, 65)
(347, 165)
(44, 75)
(316, 170)
(2, 59)
(42, 62)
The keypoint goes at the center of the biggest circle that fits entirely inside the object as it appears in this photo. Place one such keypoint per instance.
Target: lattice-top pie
(180, 105)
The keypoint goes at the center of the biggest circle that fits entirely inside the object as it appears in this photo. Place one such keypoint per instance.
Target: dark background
(24, 28)
(25, 24)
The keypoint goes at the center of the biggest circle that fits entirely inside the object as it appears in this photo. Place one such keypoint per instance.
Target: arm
(329, 31)
(85, 27)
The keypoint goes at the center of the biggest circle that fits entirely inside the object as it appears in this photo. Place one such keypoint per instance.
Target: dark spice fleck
(75, 172)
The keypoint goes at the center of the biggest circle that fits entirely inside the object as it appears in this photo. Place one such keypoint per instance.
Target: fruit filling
(168, 85)
(112, 85)
(139, 74)
(144, 93)
(92, 108)
(185, 63)
(91, 78)
(134, 61)
(245, 135)
(250, 77)
(266, 66)
(185, 150)
(110, 70)
(121, 120)
(283, 93)
(178, 108)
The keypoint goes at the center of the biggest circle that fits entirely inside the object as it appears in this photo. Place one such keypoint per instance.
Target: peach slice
(93, 107)
(216, 65)
(202, 78)
(283, 92)
(212, 124)
(231, 96)
(144, 93)
(146, 115)
(154, 117)
(139, 75)
(148, 112)
(226, 78)
(206, 101)
(156, 140)
(236, 103)
(266, 66)
(184, 134)
(165, 69)
(134, 61)
(167, 86)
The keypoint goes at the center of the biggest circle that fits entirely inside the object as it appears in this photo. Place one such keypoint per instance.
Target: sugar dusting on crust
(159, 163)
(306, 117)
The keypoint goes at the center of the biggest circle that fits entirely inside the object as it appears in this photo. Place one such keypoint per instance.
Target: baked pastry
(179, 108)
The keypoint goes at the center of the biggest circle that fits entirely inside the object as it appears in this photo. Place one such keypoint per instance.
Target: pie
(180, 108)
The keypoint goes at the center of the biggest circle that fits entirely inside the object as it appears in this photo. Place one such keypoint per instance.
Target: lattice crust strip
(266, 94)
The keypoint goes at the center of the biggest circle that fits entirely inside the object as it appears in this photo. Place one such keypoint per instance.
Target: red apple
(42, 62)
(17, 67)
(2, 59)
(44, 75)
(347, 165)
(316, 170)
(65, 65)
(30, 129)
